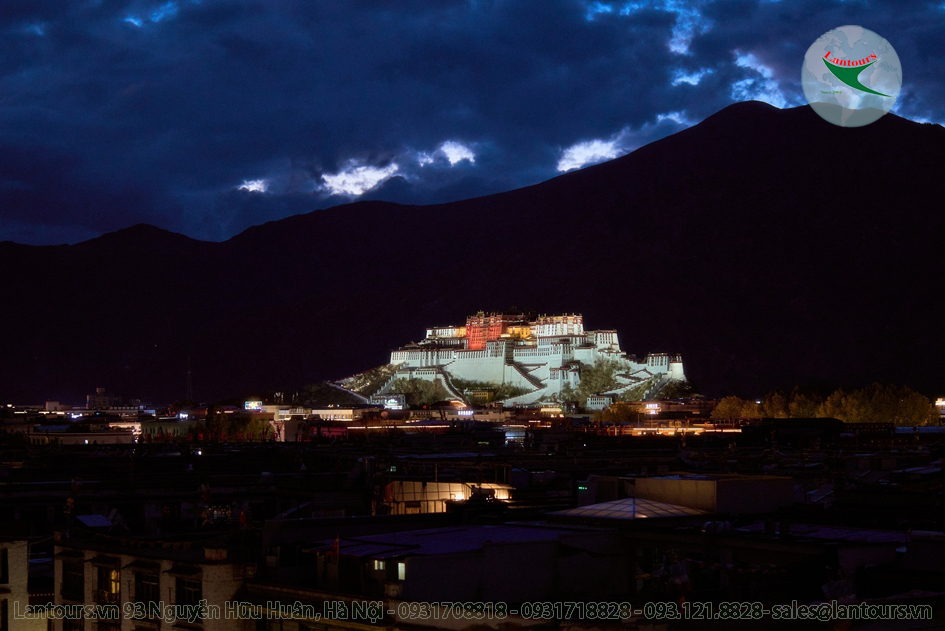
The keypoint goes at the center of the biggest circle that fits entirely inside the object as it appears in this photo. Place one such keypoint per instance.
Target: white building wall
(479, 368)
(559, 326)
(604, 339)
(514, 375)
(547, 358)
(527, 398)
(14, 591)
(676, 371)
(446, 332)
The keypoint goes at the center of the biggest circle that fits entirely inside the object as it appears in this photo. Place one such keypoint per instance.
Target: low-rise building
(180, 572)
(14, 578)
(406, 497)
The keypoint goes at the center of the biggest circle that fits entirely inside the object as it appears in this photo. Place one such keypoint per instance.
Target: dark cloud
(117, 112)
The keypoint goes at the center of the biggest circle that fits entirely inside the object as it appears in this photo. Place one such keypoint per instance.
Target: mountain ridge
(727, 242)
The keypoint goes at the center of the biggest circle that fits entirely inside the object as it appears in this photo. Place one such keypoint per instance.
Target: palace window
(188, 592)
(146, 588)
(109, 585)
(73, 580)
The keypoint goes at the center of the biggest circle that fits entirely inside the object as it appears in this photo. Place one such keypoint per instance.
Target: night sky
(209, 116)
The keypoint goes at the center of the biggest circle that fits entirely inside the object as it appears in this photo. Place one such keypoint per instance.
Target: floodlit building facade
(540, 355)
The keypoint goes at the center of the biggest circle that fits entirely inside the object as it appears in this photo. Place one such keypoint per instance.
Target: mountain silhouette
(767, 246)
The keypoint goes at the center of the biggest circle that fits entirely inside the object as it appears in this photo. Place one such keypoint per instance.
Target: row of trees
(321, 394)
(221, 426)
(878, 403)
(601, 376)
(619, 413)
(500, 391)
(419, 392)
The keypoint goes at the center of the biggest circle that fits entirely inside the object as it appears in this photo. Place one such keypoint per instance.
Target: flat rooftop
(630, 508)
(450, 540)
(833, 533)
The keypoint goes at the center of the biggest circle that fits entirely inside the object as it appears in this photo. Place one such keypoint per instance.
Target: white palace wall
(542, 364)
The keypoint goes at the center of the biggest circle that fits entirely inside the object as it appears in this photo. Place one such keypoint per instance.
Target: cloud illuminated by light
(677, 117)
(632, 7)
(254, 186)
(589, 152)
(764, 89)
(450, 151)
(689, 23)
(926, 117)
(357, 180)
(689, 19)
(456, 152)
(167, 10)
(596, 8)
(623, 142)
(752, 62)
(692, 78)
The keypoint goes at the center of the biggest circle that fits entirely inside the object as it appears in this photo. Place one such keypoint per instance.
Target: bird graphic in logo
(848, 71)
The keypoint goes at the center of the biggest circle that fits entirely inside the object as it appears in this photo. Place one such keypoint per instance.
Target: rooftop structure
(631, 508)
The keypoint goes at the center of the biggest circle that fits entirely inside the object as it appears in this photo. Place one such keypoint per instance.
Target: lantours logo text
(846, 62)
(848, 71)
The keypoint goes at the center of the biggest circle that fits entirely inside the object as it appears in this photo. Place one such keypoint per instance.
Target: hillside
(767, 246)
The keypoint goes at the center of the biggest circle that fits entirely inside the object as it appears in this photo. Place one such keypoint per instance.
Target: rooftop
(631, 508)
(449, 540)
(834, 533)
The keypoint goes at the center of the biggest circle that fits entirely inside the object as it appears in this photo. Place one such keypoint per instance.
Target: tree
(729, 408)
(370, 381)
(676, 389)
(896, 404)
(597, 377)
(804, 405)
(832, 407)
(916, 409)
(877, 403)
(500, 391)
(322, 395)
(251, 426)
(637, 392)
(419, 392)
(776, 405)
(753, 409)
(567, 394)
(217, 423)
(880, 403)
(617, 413)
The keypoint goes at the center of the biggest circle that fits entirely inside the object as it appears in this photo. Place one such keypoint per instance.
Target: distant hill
(767, 246)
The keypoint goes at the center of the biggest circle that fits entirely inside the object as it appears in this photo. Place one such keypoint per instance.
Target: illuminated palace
(540, 356)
